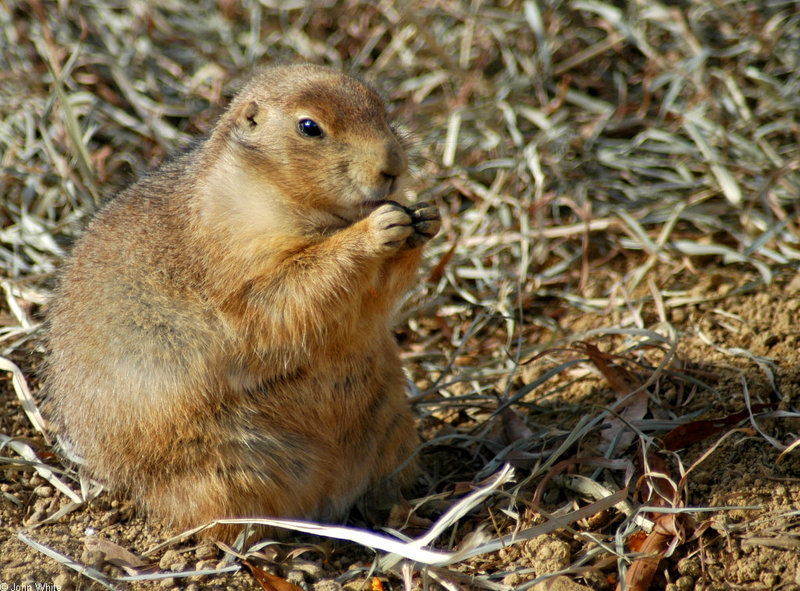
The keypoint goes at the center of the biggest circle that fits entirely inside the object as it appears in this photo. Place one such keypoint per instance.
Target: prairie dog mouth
(371, 205)
(367, 206)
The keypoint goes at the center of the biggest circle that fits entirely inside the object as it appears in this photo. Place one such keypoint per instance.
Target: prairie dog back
(220, 341)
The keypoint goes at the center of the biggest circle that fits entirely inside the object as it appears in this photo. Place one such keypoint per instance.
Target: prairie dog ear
(248, 115)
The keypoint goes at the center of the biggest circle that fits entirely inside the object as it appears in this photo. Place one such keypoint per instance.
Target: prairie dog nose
(394, 160)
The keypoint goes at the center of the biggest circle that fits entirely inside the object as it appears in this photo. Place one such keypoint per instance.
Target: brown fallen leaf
(270, 582)
(642, 570)
(115, 554)
(685, 435)
(637, 540)
(514, 429)
(623, 382)
(514, 426)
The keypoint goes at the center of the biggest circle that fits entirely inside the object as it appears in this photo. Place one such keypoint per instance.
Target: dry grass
(590, 159)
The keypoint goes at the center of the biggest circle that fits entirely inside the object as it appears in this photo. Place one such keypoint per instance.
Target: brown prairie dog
(220, 341)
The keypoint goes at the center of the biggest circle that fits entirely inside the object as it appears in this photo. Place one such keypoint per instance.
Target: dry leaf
(115, 554)
(270, 582)
(637, 540)
(668, 530)
(685, 435)
(623, 382)
(514, 426)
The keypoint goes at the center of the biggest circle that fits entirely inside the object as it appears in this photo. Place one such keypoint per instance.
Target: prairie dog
(220, 342)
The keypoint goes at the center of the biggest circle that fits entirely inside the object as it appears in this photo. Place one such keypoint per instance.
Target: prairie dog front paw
(390, 226)
(425, 221)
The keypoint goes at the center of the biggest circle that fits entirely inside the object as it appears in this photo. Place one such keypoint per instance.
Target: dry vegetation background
(611, 307)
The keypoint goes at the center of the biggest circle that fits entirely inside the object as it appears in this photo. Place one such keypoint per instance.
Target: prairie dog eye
(309, 128)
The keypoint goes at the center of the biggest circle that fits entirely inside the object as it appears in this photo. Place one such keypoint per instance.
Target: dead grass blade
(87, 571)
(25, 396)
(551, 525)
(789, 449)
(28, 453)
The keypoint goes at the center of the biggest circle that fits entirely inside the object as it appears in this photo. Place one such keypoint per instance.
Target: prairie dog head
(317, 140)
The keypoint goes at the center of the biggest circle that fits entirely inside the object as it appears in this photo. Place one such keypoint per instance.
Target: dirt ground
(752, 545)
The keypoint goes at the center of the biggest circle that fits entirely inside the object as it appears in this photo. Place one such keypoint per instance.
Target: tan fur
(220, 342)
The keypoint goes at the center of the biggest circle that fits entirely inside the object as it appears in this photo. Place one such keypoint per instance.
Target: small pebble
(296, 577)
(206, 565)
(43, 491)
(172, 561)
(63, 582)
(206, 552)
(312, 569)
(689, 567)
